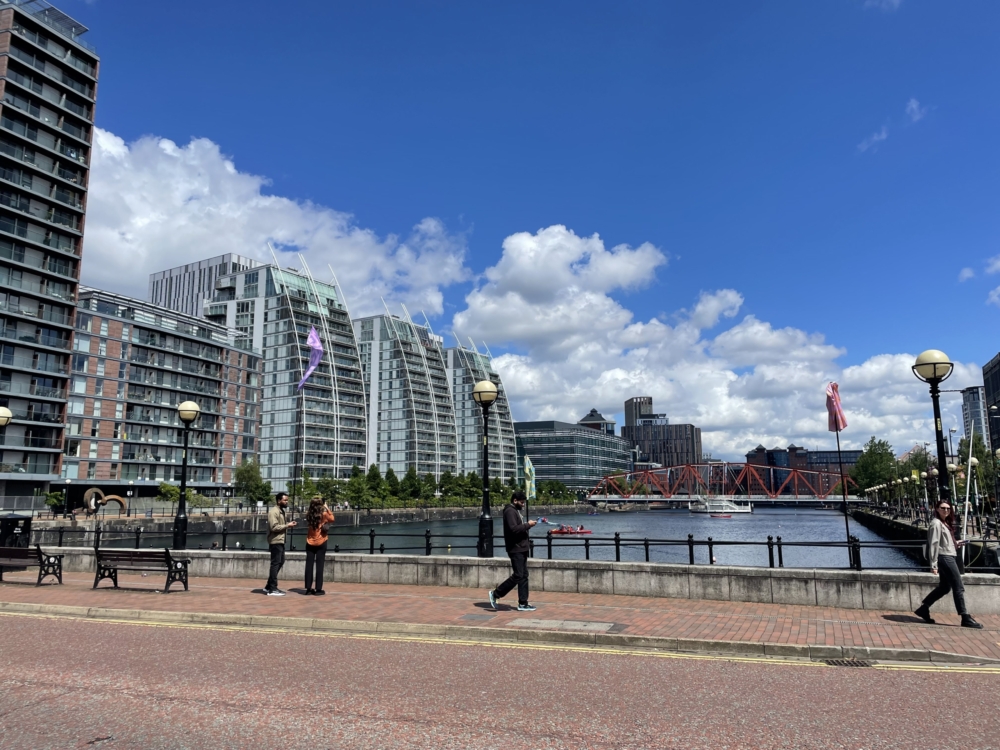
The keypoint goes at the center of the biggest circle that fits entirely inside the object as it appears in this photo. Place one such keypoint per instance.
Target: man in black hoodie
(515, 537)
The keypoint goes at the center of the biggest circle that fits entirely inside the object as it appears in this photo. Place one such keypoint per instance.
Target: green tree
(985, 471)
(374, 480)
(304, 488)
(55, 499)
(331, 488)
(876, 465)
(248, 484)
(409, 488)
(356, 491)
(428, 486)
(392, 484)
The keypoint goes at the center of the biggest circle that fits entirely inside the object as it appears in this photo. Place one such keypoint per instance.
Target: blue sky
(729, 135)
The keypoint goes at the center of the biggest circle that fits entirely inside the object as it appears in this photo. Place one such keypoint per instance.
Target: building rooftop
(48, 14)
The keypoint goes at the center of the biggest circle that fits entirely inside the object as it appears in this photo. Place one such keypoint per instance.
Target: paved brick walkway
(635, 616)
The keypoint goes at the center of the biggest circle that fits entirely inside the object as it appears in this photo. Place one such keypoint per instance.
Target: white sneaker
(276, 592)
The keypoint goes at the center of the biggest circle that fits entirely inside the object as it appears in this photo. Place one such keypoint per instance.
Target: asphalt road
(67, 683)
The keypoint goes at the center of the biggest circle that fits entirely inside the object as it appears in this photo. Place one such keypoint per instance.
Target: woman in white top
(942, 552)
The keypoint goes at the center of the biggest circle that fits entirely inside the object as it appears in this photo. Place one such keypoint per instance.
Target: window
(72, 448)
(74, 426)
(95, 428)
(122, 367)
(97, 407)
(102, 347)
(80, 363)
(75, 405)
(119, 410)
(78, 385)
(118, 430)
(81, 343)
(91, 470)
(125, 331)
(93, 449)
(115, 450)
(99, 387)
(84, 322)
(100, 367)
(104, 328)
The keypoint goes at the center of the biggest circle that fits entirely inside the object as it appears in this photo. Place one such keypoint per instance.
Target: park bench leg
(106, 572)
(50, 569)
(175, 575)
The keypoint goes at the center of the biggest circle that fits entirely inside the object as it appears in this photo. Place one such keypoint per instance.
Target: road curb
(498, 635)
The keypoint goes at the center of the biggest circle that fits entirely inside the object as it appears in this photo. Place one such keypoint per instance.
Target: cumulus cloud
(885, 5)
(742, 380)
(914, 111)
(993, 264)
(871, 143)
(155, 205)
(965, 274)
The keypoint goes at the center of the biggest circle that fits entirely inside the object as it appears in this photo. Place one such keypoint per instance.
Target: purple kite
(314, 356)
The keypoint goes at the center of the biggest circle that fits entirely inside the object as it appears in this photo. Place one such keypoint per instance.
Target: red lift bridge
(720, 479)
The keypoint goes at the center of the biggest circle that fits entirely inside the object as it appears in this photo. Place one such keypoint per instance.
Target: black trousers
(519, 578)
(950, 580)
(315, 555)
(277, 560)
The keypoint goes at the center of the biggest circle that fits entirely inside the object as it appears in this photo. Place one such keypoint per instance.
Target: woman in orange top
(317, 517)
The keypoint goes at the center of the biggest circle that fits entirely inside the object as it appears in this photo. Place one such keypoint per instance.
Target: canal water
(458, 537)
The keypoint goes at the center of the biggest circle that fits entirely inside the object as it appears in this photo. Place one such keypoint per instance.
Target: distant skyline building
(658, 441)
(991, 392)
(974, 413)
(466, 367)
(410, 411)
(636, 408)
(577, 455)
(49, 82)
(321, 428)
(133, 364)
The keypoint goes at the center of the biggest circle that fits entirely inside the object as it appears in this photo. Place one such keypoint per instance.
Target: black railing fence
(698, 551)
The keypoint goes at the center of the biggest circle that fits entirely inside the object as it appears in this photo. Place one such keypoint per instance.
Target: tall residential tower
(49, 79)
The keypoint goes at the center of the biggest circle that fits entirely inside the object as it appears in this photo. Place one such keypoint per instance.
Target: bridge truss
(721, 479)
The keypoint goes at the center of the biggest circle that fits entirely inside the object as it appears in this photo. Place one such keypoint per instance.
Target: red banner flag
(835, 411)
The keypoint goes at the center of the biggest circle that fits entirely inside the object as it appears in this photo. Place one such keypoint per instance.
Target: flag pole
(843, 489)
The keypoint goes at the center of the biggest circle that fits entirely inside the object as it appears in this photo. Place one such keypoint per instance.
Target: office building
(577, 455)
(974, 414)
(411, 416)
(466, 367)
(656, 440)
(133, 364)
(991, 394)
(49, 79)
(187, 288)
(597, 421)
(320, 428)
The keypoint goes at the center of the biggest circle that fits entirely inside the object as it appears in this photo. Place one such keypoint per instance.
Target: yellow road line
(565, 648)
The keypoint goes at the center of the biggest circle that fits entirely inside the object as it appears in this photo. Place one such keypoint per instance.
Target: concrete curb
(498, 635)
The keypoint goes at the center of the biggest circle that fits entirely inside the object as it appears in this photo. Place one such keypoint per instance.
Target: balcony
(31, 363)
(26, 389)
(51, 316)
(32, 338)
(15, 253)
(28, 441)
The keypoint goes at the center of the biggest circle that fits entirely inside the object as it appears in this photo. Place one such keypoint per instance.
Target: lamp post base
(180, 532)
(484, 548)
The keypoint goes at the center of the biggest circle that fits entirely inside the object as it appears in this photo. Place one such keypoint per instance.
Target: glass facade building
(573, 454)
(48, 76)
(466, 367)
(974, 417)
(411, 414)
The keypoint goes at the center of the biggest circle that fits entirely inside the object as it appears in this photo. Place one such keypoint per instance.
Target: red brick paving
(670, 618)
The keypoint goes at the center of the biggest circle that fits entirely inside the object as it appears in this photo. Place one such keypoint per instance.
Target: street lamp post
(66, 499)
(188, 412)
(906, 494)
(923, 481)
(933, 367)
(485, 393)
(128, 510)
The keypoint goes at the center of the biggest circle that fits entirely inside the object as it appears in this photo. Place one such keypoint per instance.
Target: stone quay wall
(869, 589)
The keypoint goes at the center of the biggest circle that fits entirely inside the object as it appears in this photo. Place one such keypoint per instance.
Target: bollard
(770, 550)
(548, 542)
(291, 539)
(138, 536)
(225, 535)
(645, 543)
(427, 542)
(336, 548)
(586, 548)
(60, 535)
(531, 547)
(857, 553)
(97, 535)
(618, 546)
(781, 559)
(371, 542)
(691, 549)
(711, 556)
(381, 548)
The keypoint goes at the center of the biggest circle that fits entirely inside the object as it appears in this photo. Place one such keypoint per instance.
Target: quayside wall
(897, 591)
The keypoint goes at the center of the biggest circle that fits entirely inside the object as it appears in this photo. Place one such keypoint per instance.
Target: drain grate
(848, 663)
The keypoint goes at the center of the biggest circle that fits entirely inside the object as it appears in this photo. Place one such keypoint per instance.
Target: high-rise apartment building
(466, 367)
(974, 413)
(636, 408)
(48, 76)
(658, 441)
(133, 364)
(411, 414)
(187, 288)
(320, 428)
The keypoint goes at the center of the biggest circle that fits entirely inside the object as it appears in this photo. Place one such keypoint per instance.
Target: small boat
(718, 505)
(568, 532)
(720, 515)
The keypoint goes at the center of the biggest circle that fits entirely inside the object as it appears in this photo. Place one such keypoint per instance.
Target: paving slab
(684, 624)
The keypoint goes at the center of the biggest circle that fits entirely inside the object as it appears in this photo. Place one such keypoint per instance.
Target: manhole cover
(848, 663)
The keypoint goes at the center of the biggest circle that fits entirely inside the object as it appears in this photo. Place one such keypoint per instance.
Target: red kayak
(719, 515)
(570, 531)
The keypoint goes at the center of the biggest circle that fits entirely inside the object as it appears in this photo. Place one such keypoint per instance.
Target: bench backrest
(149, 558)
(18, 554)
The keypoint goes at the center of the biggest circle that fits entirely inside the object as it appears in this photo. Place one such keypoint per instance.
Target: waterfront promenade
(392, 666)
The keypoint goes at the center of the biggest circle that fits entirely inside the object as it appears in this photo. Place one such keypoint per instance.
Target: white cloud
(872, 142)
(965, 274)
(993, 264)
(914, 111)
(574, 347)
(155, 205)
(993, 298)
(885, 5)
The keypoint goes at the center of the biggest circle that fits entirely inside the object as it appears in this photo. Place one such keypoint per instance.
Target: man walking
(515, 538)
(276, 525)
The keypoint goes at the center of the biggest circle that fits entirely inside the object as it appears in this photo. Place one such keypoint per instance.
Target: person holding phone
(317, 517)
(276, 525)
(515, 537)
(942, 554)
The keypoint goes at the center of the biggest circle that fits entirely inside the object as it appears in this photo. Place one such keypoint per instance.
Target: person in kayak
(515, 537)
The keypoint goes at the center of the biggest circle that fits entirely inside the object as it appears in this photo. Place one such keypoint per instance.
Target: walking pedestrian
(515, 538)
(942, 554)
(276, 525)
(317, 517)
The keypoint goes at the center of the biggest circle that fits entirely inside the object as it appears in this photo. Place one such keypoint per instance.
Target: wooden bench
(21, 558)
(110, 561)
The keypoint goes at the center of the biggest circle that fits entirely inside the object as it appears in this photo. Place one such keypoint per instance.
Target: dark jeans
(315, 555)
(951, 580)
(519, 578)
(277, 560)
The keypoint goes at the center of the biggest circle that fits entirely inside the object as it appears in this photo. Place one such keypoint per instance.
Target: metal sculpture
(94, 498)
